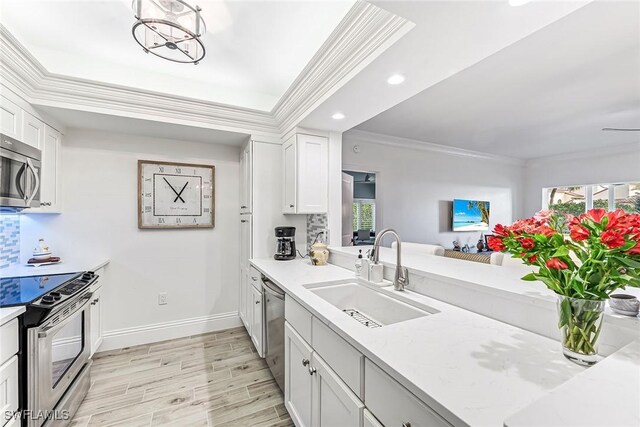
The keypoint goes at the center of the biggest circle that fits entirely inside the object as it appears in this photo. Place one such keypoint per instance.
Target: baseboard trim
(145, 334)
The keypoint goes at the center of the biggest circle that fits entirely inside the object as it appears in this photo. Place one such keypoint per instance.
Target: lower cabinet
(243, 300)
(314, 394)
(256, 319)
(370, 420)
(8, 388)
(96, 320)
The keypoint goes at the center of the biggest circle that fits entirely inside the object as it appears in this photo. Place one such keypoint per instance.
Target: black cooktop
(25, 290)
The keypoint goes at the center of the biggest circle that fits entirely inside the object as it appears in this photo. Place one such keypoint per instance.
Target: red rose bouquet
(600, 255)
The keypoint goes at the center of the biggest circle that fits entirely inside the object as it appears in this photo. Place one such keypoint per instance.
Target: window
(364, 214)
(579, 199)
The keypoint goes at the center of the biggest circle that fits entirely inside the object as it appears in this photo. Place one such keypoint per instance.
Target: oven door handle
(45, 332)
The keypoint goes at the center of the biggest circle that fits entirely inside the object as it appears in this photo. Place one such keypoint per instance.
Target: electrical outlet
(162, 298)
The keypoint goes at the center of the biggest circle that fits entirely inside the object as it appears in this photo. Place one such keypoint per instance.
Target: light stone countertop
(65, 267)
(10, 313)
(473, 370)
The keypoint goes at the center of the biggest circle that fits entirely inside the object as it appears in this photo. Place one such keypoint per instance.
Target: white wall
(415, 188)
(199, 269)
(608, 165)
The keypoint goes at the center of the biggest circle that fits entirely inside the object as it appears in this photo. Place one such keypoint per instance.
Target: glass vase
(580, 325)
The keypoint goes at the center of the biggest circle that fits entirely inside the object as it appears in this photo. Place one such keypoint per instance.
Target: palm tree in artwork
(483, 207)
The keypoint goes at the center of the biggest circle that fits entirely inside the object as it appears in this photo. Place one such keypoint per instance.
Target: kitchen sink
(372, 306)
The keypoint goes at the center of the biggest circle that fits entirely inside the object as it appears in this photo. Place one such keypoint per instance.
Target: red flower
(533, 259)
(596, 215)
(545, 230)
(557, 264)
(579, 233)
(527, 243)
(501, 230)
(634, 250)
(495, 243)
(543, 216)
(612, 239)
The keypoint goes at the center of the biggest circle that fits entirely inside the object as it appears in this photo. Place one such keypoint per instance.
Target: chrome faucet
(402, 274)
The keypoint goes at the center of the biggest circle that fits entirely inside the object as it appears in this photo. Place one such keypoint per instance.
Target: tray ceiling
(255, 49)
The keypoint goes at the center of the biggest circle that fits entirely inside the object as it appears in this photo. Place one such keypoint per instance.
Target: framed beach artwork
(470, 215)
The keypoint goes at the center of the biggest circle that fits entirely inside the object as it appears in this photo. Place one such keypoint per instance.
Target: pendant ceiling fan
(621, 129)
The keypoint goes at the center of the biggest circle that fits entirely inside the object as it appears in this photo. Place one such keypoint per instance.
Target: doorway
(358, 208)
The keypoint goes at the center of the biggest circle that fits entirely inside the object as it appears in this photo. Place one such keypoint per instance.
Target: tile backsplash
(315, 224)
(9, 240)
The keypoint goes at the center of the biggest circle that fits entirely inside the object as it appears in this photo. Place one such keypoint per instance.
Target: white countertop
(471, 369)
(76, 265)
(10, 313)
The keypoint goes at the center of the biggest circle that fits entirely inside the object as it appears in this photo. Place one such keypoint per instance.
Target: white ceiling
(255, 49)
(549, 93)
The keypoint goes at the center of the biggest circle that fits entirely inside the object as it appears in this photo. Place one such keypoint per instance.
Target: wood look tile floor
(214, 379)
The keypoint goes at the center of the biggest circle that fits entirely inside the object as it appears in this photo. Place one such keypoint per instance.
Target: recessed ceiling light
(518, 2)
(395, 79)
(337, 116)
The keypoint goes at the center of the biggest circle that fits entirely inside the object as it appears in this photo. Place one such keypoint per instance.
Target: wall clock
(175, 195)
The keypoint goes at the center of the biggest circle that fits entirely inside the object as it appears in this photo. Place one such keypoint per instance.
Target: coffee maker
(286, 248)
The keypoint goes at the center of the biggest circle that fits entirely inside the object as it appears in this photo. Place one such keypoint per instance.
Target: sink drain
(362, 318)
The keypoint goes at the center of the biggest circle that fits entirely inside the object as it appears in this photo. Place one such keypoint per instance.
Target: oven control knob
(88, 276)
(47, 299)
(56, 295)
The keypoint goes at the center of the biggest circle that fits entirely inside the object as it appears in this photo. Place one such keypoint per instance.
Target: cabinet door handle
(95, 301)
(313, 371)
(255, 279)
(258, 302)
(243, 220)
(407, 424)
(305, 362)
(243, 207)
(291, 206)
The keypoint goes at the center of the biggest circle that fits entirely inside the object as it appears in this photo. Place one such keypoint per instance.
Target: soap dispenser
(359, 264)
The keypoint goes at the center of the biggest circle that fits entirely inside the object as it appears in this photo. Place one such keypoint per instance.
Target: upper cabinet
(32, 130)
(305, 174)
(246, 187)
(10, 119)
(50, 197)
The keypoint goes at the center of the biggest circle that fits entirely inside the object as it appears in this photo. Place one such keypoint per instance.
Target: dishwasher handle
(272, 288)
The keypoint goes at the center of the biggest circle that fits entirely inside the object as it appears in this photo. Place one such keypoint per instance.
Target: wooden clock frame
(175, 226)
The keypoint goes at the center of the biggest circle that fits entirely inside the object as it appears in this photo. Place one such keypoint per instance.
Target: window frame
(588, 194)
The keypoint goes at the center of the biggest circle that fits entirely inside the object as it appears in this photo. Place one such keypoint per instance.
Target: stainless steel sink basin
(373, 307)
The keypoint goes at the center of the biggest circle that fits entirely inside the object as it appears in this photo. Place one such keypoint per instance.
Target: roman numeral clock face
(175, 195)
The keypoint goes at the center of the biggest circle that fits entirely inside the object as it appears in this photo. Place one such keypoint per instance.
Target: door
(96, 320)
(256, 319)
(298, 381)
(246, 196)
(50, 188)
(32, 131)
(312, 174)
(289, 176)
(10, 119)
(347, 209)
(334, 405)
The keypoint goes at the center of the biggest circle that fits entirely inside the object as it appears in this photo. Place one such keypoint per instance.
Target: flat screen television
(470, 215)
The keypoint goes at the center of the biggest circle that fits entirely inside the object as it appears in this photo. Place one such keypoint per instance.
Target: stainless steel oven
(19, 174)
(58, 352)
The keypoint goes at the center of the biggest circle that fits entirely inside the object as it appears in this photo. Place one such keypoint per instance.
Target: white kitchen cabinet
(96, 320)
(333, 404)
(8, 387)
(246, 225)
(298, 381)
(305, 174)
(10, 119)
(32, 130)
(370, 420)
(50, 179)
(243, 299)
(246, 187)
(256, 319)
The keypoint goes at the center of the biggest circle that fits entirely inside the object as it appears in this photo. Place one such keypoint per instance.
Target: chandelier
(170, 29)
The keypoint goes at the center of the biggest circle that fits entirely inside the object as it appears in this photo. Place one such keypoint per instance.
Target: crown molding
(632, 148)
(361, 36)
(361, 136)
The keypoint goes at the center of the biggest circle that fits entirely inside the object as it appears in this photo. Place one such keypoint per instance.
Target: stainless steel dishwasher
(273, 298)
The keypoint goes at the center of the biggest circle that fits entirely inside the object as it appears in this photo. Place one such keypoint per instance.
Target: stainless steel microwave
(20, 166)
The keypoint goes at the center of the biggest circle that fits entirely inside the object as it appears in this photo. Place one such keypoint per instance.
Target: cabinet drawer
(254, 277)
(8, 387)
(8, 340)
(298, 317)
(345, 360)
(394, 405)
